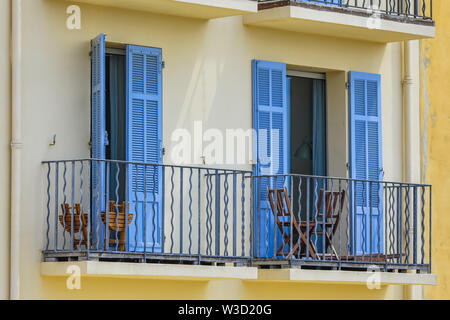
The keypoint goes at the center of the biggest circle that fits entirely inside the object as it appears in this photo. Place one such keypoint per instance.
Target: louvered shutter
(366, 161)
(144, 138)
(98, 128)
(270, 120)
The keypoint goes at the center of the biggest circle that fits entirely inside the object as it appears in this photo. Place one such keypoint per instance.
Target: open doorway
(308, 125)
(115, 112)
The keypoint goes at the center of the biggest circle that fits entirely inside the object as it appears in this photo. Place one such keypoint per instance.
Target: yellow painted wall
(207, 77)
(435, 112)
(5, 134)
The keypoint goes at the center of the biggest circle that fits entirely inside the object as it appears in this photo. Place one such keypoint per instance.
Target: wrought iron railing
(379, 223)
(414, 9)
(146, 211)
(108, 209)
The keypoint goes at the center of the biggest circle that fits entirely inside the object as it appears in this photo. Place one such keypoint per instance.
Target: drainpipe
(411, 137)
(16, 144)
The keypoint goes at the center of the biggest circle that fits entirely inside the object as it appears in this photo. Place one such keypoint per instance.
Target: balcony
(200, 9)
(140, 219)
(381, 21)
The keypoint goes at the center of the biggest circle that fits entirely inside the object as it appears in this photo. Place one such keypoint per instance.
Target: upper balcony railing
(409, 9)
(108, 209)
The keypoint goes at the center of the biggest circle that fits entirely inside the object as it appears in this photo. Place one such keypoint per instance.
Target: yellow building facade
(435, 142)
(207, 77)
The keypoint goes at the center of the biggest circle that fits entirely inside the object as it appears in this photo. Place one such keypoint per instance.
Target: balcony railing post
(190, 211)
(291, 218)
(274, 222)
(136, 170)
(415, 225)
(107, 209)
(126, 208)
(430, 229)
(80, 233)
(199, 204)
(308, 196)
(370, 221)
(145, 214)
(89, 208)
(252, 220)
(225, 212)
(243, 215)
(154, 209)
(234, 213)
(181, 210)
(400, 223)
(56, 205)
(258, 213)
(217, 215)
(72, 224)
(324, 201)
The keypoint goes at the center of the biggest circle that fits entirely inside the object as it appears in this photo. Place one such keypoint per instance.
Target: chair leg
(312, 249)
(330, 244)
(122, 241)
(293, 252)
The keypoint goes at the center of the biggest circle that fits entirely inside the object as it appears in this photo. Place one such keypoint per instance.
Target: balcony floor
(186, 259)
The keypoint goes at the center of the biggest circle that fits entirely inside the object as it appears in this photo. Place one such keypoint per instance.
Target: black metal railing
(414, 9)
(108, 209)
(144, 211)
(385, 224)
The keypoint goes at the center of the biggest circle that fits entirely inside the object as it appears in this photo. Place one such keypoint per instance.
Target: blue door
(144, 139)
(270, 120)
(99, 136)
(366, 162)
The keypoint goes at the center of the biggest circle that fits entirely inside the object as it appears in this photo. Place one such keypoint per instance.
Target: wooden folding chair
(330, 224)
(116, 222)
(79, 221)
(282, 210)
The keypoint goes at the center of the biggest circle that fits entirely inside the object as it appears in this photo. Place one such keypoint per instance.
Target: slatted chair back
(116, 216)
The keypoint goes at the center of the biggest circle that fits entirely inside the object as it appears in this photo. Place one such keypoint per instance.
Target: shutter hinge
(163, 64)
(347, 85)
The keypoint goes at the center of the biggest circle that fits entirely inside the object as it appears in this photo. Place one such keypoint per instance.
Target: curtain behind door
(319, 128)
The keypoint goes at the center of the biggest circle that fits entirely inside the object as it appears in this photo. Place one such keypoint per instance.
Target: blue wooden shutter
(144, 138)
(366, 161)
(98, 127)
(270, 115)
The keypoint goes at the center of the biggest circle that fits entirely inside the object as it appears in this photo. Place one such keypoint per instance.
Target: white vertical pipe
(411, 138)
(16, 144)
